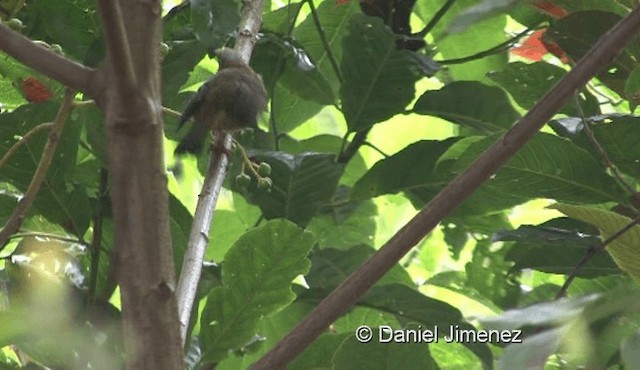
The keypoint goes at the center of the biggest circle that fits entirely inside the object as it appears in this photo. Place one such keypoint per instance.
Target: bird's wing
(194, 104)
(242, 95)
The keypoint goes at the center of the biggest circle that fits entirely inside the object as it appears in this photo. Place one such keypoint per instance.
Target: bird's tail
(193, 141)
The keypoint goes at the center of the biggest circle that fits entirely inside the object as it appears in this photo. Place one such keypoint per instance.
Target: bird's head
(229, 58)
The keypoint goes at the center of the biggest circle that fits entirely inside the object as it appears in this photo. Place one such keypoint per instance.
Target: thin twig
(601, 151)
(485, 53)
(23, 140)
(279, 67)
(17, 217)
(358, 140)
(593, 251)
(370, 145)
(325, 42)
(250, 22)
(436, 18)
(357, 284)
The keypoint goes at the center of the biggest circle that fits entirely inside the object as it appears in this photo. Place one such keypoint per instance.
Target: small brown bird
(229, 101)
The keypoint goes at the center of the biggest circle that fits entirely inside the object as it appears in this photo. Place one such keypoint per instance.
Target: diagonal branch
(16, 219)
(250, 22)
(357, 284)
(44, 60)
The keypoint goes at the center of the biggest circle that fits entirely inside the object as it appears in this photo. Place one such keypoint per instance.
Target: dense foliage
(374, 108)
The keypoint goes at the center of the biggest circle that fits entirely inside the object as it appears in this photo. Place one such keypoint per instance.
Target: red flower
(35, 91)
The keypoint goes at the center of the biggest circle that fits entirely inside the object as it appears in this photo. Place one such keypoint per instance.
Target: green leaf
(579, 31)
(279, 20)
(378, 79)
(327, 144)
(556, 246)
(73, 24)
(257, 275)
(624, 249)
(469, 103)
(618, 135)
(543, 314)
(412, 167)
(334, 20)
(214, 20)
(301, 183)
(278, 59)
(528, 82)
(320, 353)
(411, 306)
(479, 12)
(548, 167)
(346, 225)
(630, 351)
(291, 110)
(331, 266)
(477, 38)
(378, 355)
(180, 225)
(61, 202)
(632, 88)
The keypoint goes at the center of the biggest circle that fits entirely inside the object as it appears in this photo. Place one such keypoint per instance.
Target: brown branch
(250, 22)
(44, 60)
(23, 140)
(356, 285)
(119, 53)
(17, 217)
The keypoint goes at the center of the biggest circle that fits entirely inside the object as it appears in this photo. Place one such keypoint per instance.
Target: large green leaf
(421, 172)
(301, 183)
(411, 306)
(73, 24)
(556, 246)
(548, 167)
(412, 167)
(61, 202)
(214, 20)
(345, 224)
(578, 32)
(334, 20)
(331, 266)
(529, 82)
(624, 249)
(257, 275)
(378, 79)
(618, 135)
(290, 109)
(281, 60)
(320, 353)
(476, 38)
(469, 103)
(378, 355)
(279, 20)
(481, 11)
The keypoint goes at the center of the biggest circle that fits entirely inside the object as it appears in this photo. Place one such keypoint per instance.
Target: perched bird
(229, 101)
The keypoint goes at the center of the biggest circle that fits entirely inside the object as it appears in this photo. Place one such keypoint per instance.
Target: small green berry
(57, 49)
(243, 180)
(164, 50)
(264, 169)
(265, 183)
(15, 24)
